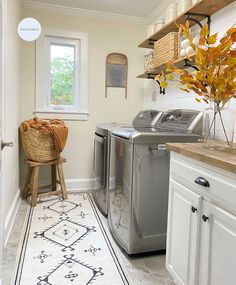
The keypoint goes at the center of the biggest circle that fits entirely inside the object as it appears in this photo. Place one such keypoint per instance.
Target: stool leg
(35, 186)
(53, 177)
(27, 182)
(62, 181)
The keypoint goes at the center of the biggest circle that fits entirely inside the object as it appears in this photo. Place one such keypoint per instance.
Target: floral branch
(215, 61)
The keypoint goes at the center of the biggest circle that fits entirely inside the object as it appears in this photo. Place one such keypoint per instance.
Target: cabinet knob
(205, 218)
(202, 181)
(193, 209)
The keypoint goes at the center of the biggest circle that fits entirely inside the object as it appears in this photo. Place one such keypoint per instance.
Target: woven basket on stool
(37, 145)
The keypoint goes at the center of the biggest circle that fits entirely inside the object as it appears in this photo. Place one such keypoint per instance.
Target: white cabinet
(218, 247)
(201, 235)
(183, 232)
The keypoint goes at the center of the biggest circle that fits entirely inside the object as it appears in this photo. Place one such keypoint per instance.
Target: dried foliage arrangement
(214, 78)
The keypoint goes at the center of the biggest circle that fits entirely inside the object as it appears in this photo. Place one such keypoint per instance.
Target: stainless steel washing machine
(102, 156)
(139, 169)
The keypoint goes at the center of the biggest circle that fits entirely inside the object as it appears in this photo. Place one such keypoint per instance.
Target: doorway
(2, 41)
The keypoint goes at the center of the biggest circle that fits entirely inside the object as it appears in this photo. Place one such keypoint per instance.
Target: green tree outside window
(62, 81)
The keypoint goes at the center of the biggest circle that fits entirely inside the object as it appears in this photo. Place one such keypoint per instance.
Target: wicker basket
(37, 145)
(167, 48)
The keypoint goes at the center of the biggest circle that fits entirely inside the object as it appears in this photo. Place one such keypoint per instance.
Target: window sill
(63, 115)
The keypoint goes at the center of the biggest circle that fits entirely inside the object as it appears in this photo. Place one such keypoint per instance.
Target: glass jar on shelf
(171, 12)
(159, 24)
(150, 30)
(184, 5)
(148, 62)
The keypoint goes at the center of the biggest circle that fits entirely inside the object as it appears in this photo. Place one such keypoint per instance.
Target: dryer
(139, 169)
(101, 155)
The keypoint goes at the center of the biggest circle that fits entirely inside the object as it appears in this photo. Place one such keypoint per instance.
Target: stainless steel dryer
(139, 170)
(101, 163)
(102, 156)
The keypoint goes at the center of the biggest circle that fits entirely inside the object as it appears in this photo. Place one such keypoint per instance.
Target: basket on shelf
(41, 143)
(167, 48)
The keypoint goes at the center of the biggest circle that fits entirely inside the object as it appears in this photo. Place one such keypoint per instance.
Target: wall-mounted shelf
(179, 63)
(203, 7)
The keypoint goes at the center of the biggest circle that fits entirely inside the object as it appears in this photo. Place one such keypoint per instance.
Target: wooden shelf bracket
(188, 64)
(152, 76)
(151, 42)
(162, 90)
(191, 16)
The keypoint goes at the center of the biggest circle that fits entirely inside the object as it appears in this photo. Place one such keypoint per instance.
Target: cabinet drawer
(221, 188)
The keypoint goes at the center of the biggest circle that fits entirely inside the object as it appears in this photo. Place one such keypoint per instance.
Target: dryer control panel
(182, 120)
(147, 119)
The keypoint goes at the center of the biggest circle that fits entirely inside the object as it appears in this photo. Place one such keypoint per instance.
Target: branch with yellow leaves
(215, 62)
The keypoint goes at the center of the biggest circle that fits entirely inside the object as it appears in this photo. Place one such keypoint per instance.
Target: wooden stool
(33, 173)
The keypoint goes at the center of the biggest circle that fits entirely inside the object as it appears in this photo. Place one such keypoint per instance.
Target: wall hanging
(116, 71)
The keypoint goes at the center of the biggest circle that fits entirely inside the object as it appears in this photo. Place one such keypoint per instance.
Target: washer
(139, 175)
(101, 157)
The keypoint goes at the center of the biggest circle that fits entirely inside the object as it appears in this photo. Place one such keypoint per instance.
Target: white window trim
(77, 71)
(42, 82)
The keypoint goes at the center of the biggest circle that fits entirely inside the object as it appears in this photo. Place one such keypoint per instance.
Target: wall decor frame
(116, 71)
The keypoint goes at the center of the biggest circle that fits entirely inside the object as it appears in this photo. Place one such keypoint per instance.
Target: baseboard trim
(11, 215)
(80, 185)
(72, 185)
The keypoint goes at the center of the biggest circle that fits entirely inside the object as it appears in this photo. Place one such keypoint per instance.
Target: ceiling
(135, 8)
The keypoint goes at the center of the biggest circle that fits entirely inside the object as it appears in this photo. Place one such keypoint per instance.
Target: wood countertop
(223, 159)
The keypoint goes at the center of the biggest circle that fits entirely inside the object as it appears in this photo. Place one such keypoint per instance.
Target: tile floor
(145, 270)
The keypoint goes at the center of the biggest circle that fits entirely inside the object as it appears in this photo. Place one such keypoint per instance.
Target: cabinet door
(182, 233)
(218, 247)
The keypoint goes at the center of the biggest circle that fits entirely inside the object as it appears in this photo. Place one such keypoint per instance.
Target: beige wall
(104, 37)
(12, 102)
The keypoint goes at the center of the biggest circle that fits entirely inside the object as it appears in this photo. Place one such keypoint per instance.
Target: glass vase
(219, 122)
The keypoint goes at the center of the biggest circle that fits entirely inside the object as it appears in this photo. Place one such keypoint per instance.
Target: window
(61, 75)
(62, 72)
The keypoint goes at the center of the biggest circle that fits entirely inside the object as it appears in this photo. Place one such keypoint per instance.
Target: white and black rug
(64, 242)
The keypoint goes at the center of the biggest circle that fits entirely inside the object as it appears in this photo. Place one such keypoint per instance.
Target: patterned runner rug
(64, 242)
